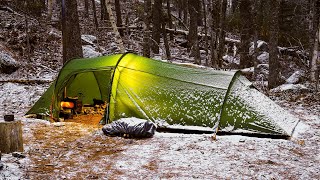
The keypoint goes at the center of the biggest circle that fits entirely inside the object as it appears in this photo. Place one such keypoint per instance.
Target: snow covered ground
(72, 150)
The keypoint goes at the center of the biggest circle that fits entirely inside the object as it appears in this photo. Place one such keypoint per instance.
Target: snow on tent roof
(140, 87)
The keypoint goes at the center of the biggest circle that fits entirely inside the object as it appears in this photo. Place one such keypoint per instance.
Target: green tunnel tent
(150, 89)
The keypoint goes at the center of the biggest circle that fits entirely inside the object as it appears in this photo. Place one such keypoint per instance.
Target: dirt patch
(55, 150)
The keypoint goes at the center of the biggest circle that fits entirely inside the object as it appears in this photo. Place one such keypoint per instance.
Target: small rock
(18, 155)
(1, 166)
(242, 140)
(8, 64)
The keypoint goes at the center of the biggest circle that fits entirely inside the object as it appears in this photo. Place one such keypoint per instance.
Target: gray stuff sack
(130, 127)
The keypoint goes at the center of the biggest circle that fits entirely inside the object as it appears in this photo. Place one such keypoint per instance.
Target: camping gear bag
(130, 127)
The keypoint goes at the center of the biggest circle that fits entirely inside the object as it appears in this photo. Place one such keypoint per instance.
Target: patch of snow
(262, 46)
(230, 59)
(295, 77)
(17, 98)
(263, 58)
(89, 39)
(289, 87)
(90, 52)
(300, 128)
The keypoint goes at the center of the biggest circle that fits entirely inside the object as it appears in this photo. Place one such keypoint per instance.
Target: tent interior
(85, 93)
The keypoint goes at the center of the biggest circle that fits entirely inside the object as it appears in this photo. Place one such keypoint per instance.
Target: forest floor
(71, 150)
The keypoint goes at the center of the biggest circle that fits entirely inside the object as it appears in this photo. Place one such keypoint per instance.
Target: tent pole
(106, 119)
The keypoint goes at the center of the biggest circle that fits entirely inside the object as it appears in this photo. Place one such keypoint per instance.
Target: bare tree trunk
(205, 30)
(104, 14)
(95, 14)
(256, 36)
(185, 11)
(222, 32)
(146, 38)
(114, 26)
(50, 10)
(86, 7)
(118, 14)
(274, 65)
(214, 32)
(26, 21)
(169, 19)
(165, 40)
(71, 36)
(314, 40)
(179, 4)
(193, 43)
(246, 31)
(156, 28)
(314, 61)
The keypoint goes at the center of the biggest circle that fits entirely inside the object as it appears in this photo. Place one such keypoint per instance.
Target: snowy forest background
(275, 44)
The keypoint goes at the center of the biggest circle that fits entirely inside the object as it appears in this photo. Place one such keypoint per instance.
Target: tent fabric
(150, 89)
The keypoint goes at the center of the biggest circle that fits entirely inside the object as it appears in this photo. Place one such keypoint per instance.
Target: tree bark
(314, 39)
(50, 10)
(314, 61)
(193, 43)
(274, 65)
(205, 30)
(156, 28)
(11, 137)
(71, 36)
(104, 14)
(146, 38)
(246, 32)
(169, 19)
(255, 13)
(165, 41)
(86, 7)
(94, 10)
(214, 32)
(222, 32)
(114, 26)
(118, 14)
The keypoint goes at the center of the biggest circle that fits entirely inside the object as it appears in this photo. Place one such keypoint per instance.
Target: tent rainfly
(136, 86)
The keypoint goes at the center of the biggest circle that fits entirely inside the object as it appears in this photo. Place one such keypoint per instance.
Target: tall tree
(104, 14)
(246, 32)
(118, 14)
(71, 36)
(314, 39)
(169, 20)
(94, 10)
(86, 7)
(114, 26)
(146, 38)
(214, 11)
(193, 42)
(221, 32)
(156, 26)
(204, 6)
(274, 65)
